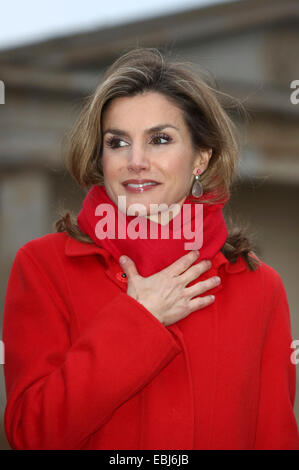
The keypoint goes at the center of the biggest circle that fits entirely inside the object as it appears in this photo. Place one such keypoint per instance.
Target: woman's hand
(165, 293)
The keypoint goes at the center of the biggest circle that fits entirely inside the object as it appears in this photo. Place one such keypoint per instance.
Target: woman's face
(133, 151)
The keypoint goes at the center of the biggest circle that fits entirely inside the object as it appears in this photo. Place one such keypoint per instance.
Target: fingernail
(207, 261)
(123, 259)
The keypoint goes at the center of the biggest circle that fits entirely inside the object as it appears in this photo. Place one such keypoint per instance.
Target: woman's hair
(146, 69)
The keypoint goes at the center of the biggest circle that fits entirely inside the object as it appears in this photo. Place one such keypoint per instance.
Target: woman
(171, 349)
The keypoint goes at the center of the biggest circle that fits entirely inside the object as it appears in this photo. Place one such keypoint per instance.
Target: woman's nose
(138, 161)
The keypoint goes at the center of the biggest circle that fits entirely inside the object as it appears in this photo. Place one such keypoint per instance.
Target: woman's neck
(164, 217)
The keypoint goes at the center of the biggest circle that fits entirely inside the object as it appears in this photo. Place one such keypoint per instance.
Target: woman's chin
(145, 200)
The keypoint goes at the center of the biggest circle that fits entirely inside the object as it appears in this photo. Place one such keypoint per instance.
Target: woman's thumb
(128, 265)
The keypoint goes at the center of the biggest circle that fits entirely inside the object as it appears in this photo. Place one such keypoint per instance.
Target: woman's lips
(140, 189)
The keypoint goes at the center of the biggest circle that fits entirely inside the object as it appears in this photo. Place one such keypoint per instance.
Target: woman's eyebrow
(119, 132)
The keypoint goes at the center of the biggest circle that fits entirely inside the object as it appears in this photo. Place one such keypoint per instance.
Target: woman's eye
(163, 137)
(114, 142)
(120, 141)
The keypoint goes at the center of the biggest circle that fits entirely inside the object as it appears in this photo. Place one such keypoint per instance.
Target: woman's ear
(203, 159)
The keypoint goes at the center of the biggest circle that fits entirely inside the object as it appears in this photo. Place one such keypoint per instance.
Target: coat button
(121, 276)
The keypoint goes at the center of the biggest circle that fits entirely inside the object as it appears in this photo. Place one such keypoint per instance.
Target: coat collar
(74, 247)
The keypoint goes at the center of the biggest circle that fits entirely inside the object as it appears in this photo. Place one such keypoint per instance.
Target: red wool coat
(88, 367)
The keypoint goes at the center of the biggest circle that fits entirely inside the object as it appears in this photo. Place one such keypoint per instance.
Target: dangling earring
(197, 189)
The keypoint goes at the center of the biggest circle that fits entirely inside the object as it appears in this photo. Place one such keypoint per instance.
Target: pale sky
(23, 22)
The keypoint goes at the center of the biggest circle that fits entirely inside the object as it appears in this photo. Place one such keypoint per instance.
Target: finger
(201, 287)
(128, 266)
(201, 302)
(182, 263)
(195, 271)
